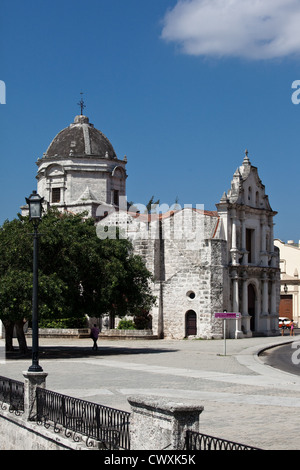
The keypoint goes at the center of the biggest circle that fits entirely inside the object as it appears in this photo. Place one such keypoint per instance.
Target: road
(285, 357)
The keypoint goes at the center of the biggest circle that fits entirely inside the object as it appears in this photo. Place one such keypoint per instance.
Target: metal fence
(11, 395)
(81, 419)
(198, 441)
(77, 417)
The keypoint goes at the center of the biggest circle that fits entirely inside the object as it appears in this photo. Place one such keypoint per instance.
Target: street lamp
(35, 216)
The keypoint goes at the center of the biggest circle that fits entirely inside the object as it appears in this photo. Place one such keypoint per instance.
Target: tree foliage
(78, 273)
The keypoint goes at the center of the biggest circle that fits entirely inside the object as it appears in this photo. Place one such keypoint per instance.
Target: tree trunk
(21, 336)
(9, 331)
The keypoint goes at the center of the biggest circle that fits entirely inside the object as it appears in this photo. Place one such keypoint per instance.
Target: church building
(202, 261)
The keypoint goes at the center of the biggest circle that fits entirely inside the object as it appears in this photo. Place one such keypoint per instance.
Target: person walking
(94, 335)
(292, 329)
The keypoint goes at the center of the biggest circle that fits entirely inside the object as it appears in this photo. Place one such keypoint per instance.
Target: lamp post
(35, 215)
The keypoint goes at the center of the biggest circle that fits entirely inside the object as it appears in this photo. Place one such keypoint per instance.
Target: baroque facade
(202, 262)
(253, 260)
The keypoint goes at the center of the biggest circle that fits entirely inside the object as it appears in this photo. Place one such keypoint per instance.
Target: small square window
(55, 195)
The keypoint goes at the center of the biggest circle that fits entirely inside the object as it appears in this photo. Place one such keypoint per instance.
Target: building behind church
(290, 281)
(202, 261)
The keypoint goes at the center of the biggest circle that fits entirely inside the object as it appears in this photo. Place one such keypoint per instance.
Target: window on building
(283, 265)
(55, 195)
(116, 197)
(250, 194)
(257, 199)
(191, 294)
(249, 244)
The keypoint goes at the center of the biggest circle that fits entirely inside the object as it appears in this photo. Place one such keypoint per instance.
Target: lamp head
(35, 207)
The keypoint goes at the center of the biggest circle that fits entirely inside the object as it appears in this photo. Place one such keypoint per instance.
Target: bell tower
(80, 171)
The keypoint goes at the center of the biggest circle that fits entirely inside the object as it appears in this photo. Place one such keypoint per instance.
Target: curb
(253, 362)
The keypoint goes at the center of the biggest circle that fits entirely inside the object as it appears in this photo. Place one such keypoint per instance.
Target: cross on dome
(81, 104)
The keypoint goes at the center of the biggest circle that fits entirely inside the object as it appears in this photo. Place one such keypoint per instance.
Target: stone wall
(61, 332)
(160, 423)
(127, 334)
(18, 434)
(189, 272)
(204, 278)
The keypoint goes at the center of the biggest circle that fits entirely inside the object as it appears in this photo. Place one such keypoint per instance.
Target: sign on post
(227, 316)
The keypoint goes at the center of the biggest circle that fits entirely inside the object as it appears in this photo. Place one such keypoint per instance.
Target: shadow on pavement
(68, 352)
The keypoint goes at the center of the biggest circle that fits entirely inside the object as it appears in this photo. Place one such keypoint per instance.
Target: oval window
(191, 294)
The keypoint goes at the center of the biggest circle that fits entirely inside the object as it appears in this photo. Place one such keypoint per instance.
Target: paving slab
(244, 399)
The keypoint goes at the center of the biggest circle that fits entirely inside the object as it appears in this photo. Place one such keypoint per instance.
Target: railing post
(187, 441)
(10, 392)
(160, 423)
(98, 422)
(63, 411)
(32, 381)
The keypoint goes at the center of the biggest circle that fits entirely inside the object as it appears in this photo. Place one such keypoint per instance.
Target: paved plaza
(244, 400)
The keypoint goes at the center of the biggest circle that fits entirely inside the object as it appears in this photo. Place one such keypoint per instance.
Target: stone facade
(188, 275)
(205, 262)
(253, 260)
(202, 261)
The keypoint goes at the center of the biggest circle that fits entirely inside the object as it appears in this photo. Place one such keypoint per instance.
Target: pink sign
(227, 315)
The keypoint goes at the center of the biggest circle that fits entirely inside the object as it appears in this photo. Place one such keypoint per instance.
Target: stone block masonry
(161, 424)
(18, 434)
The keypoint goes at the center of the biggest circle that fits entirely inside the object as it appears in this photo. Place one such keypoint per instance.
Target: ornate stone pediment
(246, 188)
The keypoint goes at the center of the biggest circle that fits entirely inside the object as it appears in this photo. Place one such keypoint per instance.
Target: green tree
(16, 301)
(15, 280)
(78, 273)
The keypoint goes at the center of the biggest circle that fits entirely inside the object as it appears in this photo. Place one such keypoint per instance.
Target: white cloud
(253, 29)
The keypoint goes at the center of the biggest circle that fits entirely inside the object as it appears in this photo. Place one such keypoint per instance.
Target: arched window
(56, 183)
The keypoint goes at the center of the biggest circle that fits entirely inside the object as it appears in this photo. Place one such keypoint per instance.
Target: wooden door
(286, 306)
(191, 323)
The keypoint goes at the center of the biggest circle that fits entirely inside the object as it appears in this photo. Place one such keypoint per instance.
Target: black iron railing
(76, 417)
(198, 441)
(11, 395)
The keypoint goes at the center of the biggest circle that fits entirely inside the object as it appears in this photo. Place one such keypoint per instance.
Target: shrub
(63, 323)
(126, 325)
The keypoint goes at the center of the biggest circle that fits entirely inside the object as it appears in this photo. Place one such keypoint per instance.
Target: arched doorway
(251, 306)
(191, 323)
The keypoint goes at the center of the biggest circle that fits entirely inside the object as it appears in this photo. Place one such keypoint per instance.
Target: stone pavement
(244, 400)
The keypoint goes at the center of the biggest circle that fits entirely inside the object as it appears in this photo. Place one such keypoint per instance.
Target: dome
(80, 139)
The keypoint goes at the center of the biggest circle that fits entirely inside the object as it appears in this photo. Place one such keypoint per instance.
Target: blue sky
(181, 88)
